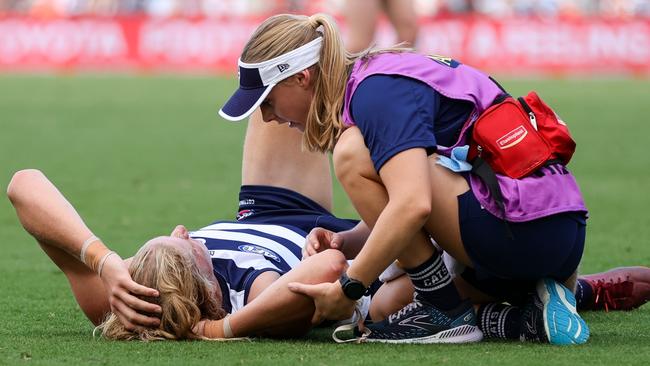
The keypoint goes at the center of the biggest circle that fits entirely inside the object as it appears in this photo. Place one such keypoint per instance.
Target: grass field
(138, 155)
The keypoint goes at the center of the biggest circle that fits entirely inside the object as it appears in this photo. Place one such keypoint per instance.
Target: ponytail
(324, 122)
(285, 32)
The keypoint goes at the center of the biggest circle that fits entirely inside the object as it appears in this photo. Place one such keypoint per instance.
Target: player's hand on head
(124, 296)
(319, 240)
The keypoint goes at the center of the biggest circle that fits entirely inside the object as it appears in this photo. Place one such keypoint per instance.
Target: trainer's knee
(21, 179)
(352, 158)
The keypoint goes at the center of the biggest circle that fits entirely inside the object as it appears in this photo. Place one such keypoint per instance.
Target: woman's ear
(305, 78)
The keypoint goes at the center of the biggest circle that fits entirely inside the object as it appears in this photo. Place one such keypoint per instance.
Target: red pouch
(551, 128)
(516, 137)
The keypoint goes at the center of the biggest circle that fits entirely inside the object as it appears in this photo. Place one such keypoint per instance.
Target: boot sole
(562, 323)
(460, 334)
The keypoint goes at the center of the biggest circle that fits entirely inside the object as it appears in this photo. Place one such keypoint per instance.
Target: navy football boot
(421, 322)
(531, 328)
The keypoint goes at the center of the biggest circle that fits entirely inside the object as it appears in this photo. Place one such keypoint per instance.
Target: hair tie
(313, 22)
(102, 261)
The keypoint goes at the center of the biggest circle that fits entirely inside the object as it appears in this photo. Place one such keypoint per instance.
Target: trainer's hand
(122, 296)
(329, 299)
(319, 240)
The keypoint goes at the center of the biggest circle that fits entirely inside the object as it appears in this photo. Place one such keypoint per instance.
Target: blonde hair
(186, 295)
(285, 32)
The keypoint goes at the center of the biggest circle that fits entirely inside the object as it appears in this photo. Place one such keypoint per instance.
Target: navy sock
(584, 294)
(499, 321)
(433, 283)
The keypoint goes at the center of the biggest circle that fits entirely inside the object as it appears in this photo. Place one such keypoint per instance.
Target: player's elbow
(20, 182)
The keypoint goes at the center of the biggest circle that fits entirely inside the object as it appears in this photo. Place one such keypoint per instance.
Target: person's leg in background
(404, 18)
(361, 19)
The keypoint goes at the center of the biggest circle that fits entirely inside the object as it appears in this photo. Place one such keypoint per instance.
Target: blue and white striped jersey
(241, 251)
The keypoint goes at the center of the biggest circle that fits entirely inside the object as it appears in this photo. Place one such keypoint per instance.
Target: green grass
(138, 155)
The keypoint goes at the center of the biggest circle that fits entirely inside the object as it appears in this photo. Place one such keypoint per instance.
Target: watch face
(356, 290)
(353, 289)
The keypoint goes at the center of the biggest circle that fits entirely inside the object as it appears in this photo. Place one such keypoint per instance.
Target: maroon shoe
(623, 288)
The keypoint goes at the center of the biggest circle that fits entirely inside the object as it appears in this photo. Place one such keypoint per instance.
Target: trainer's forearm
(396, 230)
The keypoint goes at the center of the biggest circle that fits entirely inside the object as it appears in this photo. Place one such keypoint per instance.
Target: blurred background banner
(122, 43)
(505, 37)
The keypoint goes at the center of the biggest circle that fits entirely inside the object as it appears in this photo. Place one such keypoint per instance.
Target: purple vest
(525, 199)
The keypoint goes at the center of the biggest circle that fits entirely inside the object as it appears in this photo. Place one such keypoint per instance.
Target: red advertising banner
(583, 45)
(511, 46)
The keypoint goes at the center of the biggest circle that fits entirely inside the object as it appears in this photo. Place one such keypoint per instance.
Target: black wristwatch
(352, 288)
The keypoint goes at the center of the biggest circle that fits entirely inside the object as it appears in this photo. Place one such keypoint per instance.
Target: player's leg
(273, 156)
(390, 297)
(623, 288)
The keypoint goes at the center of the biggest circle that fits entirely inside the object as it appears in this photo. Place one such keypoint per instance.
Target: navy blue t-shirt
(397, 113)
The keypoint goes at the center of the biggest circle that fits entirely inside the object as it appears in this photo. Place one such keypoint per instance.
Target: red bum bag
(515, 137)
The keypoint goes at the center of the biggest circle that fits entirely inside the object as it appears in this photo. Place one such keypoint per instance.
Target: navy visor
(247, 97)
